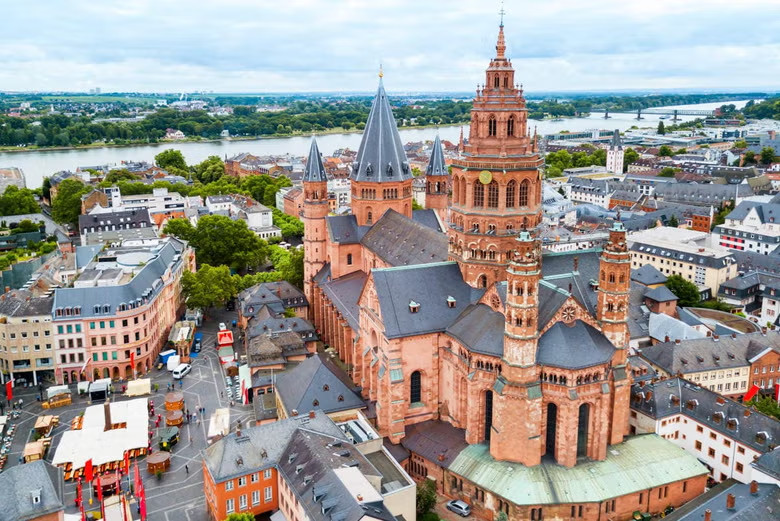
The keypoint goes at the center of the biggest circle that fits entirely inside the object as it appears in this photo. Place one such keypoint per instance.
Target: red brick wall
(770, 363)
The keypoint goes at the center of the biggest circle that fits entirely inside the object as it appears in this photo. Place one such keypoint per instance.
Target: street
(178, 495)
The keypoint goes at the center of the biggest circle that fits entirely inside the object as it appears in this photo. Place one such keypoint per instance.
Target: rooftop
(31, 491)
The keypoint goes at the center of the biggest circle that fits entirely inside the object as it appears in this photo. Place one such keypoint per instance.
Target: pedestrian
(187, 468)
(221, 394)
(190, 438)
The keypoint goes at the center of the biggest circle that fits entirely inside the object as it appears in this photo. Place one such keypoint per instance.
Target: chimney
(666, 338)
(312, 415)
(708, 515)
(576, 263)
(360, 497)
(107, 415)
(677, 341)
(754, 488)
(733, 335)
(715, 338)
(569, 287)
(238, 429)
(730, 501)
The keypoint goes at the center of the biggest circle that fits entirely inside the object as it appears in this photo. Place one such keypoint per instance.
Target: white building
(258, 218)
(615, 154)
(341, 189)
(159, 201)
(752, 226)
(723, 434)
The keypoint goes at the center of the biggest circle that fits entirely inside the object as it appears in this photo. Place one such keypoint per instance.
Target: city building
(119, 310)
(724, 434)
(615, 154)
(728, 365)
(755, 293)
(26, 339)
(11, 176)
(481, 356)
(733, 501)
(258, 217)
(752, 227)
(675, 251)
(32, 492)
(310, 469)
(100, 221)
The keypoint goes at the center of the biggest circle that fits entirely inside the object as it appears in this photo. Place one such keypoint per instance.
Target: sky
(423, 45)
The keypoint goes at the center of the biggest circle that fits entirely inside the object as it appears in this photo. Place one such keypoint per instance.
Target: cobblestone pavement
(179, 494)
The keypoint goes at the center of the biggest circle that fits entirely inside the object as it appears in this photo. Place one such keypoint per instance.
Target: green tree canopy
(171, 158)
(686, 291)
(629, 156)
(768, 155)
(289, 264)
(244, 516)
(209, 170)
(665, 151)
(426, 496)
(120, 175)
(18, 201)
(66, 207)
(661, 128)
(208, 286)
(668, 171)
(673, 223)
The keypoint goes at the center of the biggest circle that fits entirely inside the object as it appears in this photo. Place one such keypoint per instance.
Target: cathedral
(496, 370)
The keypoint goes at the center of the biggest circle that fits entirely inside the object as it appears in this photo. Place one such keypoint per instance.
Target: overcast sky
(425, 45)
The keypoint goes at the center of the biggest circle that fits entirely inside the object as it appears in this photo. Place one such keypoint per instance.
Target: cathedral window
(479, 194)
(462, 191)
(506, 82)
(492, 126)
(482, 281)
(510, 126)
(493, 195)
(369, 217)
(495, 82)
(612, 277)
(511, 188)
(415, 388)
(349, 259)
(523, 199)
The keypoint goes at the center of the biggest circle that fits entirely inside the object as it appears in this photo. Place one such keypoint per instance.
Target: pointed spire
(436, 165)
(315, 171)
(381, 156)
(500, 44)
(617, 143)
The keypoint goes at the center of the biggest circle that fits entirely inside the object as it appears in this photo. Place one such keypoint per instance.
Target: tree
(180, 228)
(502, 516)
(740, 144)
(665, 151)
(668, 171)
(219, 240)
(170, 159)
(661, 128)
(629, 156)
(767, 155)
(18, 201)
(209, 170)
(289, 264)
(244, 516)
(673, 223)
(416, 205)
(766, 405)
(686, 291)
(66, 207)
(46, 189)
(120, 175)
(426, 496)
(749, 157)
(207, 287)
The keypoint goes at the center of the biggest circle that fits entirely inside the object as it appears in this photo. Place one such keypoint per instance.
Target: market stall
(174, 418)
(159, 461)
(174, 401)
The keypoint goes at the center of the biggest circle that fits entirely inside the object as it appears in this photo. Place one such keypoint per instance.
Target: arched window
(612, 277)
(493, 195)
(506, 81)
(492, 126)
(523, 197)
(510, 126)
(369, 217)
(495, 82)
(349, 259)
(482, 281)
(479, 194)
(511, 188)
(415, 387)
(462, 191)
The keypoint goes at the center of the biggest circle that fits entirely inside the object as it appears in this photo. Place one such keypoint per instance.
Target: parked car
(459, 507)
(181, 371)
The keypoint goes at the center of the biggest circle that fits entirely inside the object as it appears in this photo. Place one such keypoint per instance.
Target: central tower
(496, 184)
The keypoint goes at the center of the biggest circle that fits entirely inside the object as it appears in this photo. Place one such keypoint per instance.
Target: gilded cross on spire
(380, 71)
(502, 13)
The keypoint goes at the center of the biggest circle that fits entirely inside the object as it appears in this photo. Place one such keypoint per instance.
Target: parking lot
(179, 494)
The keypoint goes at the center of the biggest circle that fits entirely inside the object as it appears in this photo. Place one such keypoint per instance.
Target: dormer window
(369, 169)
(761, 437)
(414, 307)
(326, 387)
(451, 301)
(718, 417)
(691, 404)
(389, 169)
(675, 400)
(35, 495)
(732, 424)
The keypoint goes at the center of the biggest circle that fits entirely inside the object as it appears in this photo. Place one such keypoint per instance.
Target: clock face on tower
(485, 177)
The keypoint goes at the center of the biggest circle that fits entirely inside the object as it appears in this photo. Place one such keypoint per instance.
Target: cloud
(314, 45)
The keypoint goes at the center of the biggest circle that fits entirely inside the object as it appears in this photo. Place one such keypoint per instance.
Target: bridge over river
(657, 112)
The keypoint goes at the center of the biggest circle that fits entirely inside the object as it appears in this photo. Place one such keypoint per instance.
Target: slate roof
(315, 171)
(427, 218)
(435, 440)
(769, 463)
(558, 270)
(17, 485)
(661, 326)
(436, 165)
(400, 241)
(343, 229)
(661, 294)
(748, 260)
(121, 219)
(316, 383)
(312, 467)
(616, 143)
(276, 295)
(573, 346)
(381, 157)
(148, 278)
(767, 212)
(278, 325)
(429, 285)
(551, 298)
(261, 447)
(648, 275)
(344, 293)
(22, 303)
(480, 329)
(701, 194)
(747, 507)
(649, 247)
(659, 404)
(690, 356)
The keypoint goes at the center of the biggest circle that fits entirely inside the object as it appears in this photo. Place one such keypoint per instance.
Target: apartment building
(258, 217)
(309, 468)
(755, 293)
(674, 251)
(724, 364)
(751, 226)
(119, 309)
(723, 434)
(26, 339)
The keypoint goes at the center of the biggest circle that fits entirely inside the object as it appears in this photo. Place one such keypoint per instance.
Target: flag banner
(751, 393)
(88, 470)
(9, 390)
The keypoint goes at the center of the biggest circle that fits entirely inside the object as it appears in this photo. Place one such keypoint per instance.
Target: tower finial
(501, 44)
(381, 73)
(501, 13)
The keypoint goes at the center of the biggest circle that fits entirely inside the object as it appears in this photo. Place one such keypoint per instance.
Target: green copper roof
(639, 463)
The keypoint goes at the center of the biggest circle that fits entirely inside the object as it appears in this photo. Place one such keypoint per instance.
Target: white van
(181, 371)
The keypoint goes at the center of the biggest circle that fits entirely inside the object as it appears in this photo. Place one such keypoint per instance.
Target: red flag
(127, 463)
(88, 470)
(142, 503)
(777, 392)
(100, 496)
(118, 489)
(9, 390)
(78, 493)
(137, 480)
(751, 393)
(132, 359)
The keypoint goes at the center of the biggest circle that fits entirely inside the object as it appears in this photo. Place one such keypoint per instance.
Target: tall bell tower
(496, 182)
(315, 210)
(437, 181)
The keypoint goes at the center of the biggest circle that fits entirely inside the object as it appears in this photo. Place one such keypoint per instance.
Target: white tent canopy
(220, 423)
(139, 387)
(93, 442)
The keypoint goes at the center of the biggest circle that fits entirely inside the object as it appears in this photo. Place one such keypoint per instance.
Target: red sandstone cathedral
(498, 371)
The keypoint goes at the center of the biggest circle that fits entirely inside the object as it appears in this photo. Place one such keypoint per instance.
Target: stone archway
(583, 422)
(115, 373)
(128, 372)
(95, 374)
(106, 373)
(552, 423)
(65, 378)
(488, 414)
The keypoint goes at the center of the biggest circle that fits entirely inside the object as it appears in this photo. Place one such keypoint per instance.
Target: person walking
(187, 468)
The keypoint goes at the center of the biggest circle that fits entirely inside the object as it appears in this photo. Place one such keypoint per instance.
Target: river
(37, 164)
